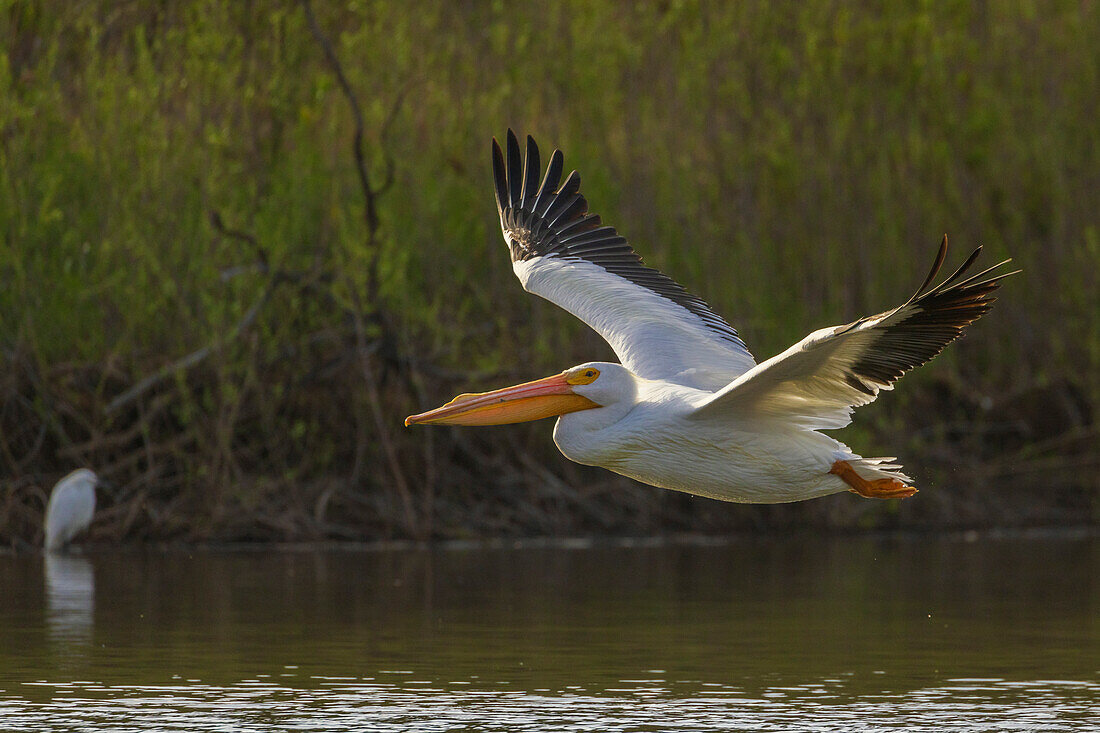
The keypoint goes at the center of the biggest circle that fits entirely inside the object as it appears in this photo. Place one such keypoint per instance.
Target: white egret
(70, 509)
(689, 408)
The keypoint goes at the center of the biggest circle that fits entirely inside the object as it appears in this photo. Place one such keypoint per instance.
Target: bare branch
(399, 100)
(371, 212)
(194, 357)
(221, 228)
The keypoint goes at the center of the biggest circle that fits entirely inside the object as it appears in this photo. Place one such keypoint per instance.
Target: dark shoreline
(581, 543)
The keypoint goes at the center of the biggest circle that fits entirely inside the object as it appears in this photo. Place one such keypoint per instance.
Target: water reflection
(70, 600)
(794, 634)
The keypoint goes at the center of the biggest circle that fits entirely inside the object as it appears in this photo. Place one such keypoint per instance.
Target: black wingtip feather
(556, 223)
(962, 268)
(936, 317)
(531, 168)
(940, 257)
(549, 182)
(515, 169)
(500, 177)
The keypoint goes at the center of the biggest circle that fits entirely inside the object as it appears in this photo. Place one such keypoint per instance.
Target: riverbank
(204, 302)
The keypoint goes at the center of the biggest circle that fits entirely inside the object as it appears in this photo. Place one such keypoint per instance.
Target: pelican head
(584, 387)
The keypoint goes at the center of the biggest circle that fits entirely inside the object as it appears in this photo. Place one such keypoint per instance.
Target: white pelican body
(657, 442)
(689, 408)
(70, 509)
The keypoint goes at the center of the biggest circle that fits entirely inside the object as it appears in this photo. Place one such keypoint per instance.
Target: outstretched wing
(562, 253)
(820, 379)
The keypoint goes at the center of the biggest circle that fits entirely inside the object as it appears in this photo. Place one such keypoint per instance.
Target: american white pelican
(689, 408)
(71, 507)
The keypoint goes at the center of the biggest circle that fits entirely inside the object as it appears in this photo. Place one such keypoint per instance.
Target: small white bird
(71, 507)
(689, 408)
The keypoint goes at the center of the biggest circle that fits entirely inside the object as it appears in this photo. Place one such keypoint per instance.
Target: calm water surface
(798, 634)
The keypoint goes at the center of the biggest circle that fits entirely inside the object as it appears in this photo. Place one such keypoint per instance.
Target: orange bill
(528, 401)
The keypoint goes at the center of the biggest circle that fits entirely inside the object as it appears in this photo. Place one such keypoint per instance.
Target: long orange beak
(528, 401)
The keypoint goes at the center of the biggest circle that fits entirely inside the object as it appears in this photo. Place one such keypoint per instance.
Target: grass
(794, 164)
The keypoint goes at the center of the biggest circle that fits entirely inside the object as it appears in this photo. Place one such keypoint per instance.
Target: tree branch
(221, 228)
(369, 194)
(194, 357)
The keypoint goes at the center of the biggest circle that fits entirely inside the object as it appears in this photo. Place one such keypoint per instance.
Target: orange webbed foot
(883, 488)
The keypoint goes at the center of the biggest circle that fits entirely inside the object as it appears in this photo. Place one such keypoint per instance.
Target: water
(799, 634)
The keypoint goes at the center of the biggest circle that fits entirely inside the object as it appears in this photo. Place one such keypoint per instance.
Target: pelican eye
(587, 376)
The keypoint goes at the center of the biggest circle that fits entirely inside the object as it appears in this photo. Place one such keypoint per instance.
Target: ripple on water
(328, 704)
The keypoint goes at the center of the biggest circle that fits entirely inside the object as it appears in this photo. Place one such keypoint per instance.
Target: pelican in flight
(688, 408)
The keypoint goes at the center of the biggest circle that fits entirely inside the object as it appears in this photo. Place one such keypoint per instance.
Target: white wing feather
(820, 379)
(562, 253)
(652, 336)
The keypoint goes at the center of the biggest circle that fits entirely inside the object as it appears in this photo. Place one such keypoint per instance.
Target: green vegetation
(794, 164)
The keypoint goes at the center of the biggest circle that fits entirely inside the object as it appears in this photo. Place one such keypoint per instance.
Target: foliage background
(179, 203)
